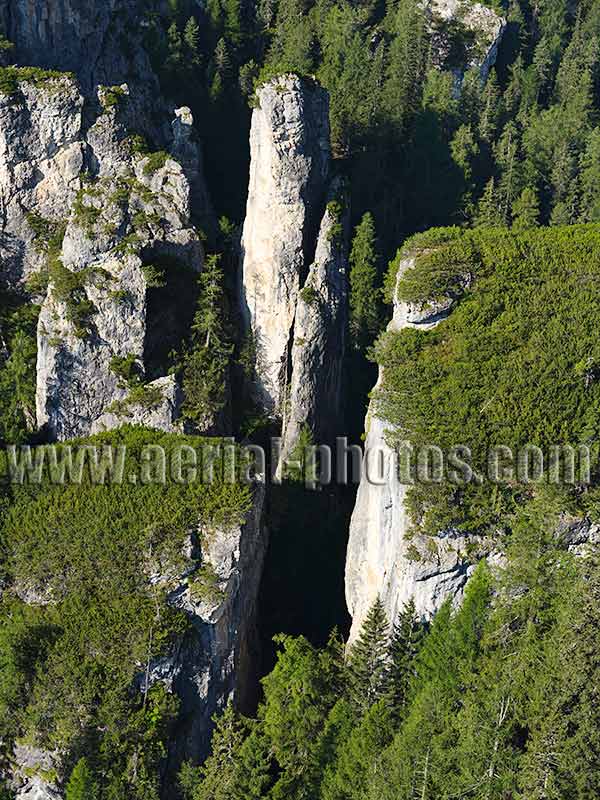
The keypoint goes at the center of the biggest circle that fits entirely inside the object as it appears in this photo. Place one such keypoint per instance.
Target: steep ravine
(107, 221)
(120, 210)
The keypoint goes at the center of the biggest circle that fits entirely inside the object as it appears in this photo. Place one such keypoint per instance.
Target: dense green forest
(417, 154)
(86, 550)
(513, 365)
(496, 699)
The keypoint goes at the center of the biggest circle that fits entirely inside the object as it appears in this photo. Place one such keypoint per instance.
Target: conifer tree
(487, 213)
(590, 179)
(233, 22)
(191, 38)
(465, 150)
(292, 49)
(218, 778)
(368, 660)
(175, 50)
(507, 158)
(406, 62)
(526, 210)
(490, 109)
(359, 755)
(206, 362)
(365, 295)
(405, 641)
(299, 695)
(222, 69)
(81, 785)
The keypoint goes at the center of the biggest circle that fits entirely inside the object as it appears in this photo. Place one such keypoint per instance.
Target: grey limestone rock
(289, 177)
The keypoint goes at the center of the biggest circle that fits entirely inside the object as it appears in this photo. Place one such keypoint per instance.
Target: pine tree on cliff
(365, 295)
(206, 363)
(405, 641)
(368, 662)
(81, 785)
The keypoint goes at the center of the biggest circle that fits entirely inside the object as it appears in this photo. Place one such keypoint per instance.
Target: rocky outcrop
(384, 559)
(105, 223)
(218, 658)
(78, 36)
(163, 414)
(42, 156)
(36, 773)
(86, 207)
(315, 390)
(465, 35)
(127, 231)
(289, 177)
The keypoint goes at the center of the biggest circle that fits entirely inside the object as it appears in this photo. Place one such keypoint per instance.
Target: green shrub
(85, 216)
(155, 161)
(204, 585)
(138, 144)
(11, 77)
(154, 276)
(129, 245)
(112, 96)
(126, 368)
(121, 296)
(18, 325)
(140, 394)
(6, 46)
(48, 234)
(336, 210)
(69, 288)
(309, 295)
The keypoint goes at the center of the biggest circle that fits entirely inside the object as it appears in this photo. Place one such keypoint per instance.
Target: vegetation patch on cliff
(11, 78)
(86, 569)
(516, 364)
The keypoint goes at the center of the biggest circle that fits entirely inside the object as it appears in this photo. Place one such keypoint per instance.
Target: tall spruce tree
(205, 365)
(299, 695)
(368, 660)
(365, 295)
(406, 638)
(526, 210)
(359, 755)
(81, 784)
(218, 778)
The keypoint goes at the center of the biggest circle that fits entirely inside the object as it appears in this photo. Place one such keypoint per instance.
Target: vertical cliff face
(77, 36)
(289, 173)
(381, 560)
(127, 229)
(42, 156)
(315, 388)
(219, 657)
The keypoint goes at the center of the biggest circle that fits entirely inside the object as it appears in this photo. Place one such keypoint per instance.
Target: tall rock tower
(294, 251)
